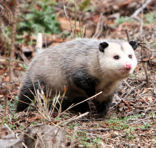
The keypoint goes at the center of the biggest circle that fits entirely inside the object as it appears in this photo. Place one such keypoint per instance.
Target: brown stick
(6, 106)
(67, 17)
(90, 98)
(99, 27)
(13, 36)
(39, 43)
(134, 15)
(73, 119)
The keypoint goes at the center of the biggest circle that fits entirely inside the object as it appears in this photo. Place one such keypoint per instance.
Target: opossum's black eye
(134, 44)
(102, 46)
(130, 56)
(116, 57)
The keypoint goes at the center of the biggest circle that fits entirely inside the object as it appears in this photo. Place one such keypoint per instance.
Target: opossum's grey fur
(79, 66)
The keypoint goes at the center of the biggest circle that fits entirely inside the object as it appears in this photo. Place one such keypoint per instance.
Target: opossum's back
(46, 68)
(55, 64)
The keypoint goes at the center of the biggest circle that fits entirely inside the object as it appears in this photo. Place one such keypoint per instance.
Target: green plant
(150, 18)
(123, 19)
(147, 125)
(41, 19)
(121, 123)
(83, 138)
(116, 123)
(84, 4)
(23, 65)
(86, 140)
(9, 121)
(129, 133)
(97, 141)
(72, 125)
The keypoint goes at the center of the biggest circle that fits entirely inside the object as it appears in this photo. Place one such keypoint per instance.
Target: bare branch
(13, 36)
(99, 27)
(39, 43)
(134, 15)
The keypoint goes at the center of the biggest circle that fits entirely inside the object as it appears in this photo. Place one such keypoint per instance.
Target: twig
(128, 39)
(73, 137)
(97, 129)
(13, 36)
(73, 105)
(23, 101)
(145, 70)
(134, 15)
(74, 119)
(75, 21)
(67, 17)
(39, 43)
(15, 135)
(127, 83)
(88, 99)
(99, 27)
(6, 106)
(143, 48)
(26, 61)
(132, 89)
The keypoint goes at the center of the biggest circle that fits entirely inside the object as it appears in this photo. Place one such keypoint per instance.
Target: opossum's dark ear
(102, 46)
(134, 44)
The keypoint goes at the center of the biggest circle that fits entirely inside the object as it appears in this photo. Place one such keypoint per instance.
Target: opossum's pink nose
(128, 66)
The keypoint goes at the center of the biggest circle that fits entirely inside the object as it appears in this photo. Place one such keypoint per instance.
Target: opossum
(84, 66)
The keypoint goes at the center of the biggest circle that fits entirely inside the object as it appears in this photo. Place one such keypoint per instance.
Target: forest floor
(131, 120)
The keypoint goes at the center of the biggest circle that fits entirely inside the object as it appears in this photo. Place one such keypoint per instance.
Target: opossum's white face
(117, 59)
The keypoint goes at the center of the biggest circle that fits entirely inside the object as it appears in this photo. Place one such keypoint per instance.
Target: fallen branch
(13, 36)
(134, 15)
(74, 119)
(39, 43)
(6, 106)
(99, 27)
(67, 17)
(97, 129)
(90, 98)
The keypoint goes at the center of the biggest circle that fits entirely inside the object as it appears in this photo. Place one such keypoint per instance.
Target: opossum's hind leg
(26, 94)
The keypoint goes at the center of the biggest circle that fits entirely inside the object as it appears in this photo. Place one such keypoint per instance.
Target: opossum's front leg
(87, 83)
(84, 81)
(102, 107)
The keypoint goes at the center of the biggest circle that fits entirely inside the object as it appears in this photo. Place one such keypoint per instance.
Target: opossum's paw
(21, 107)
(102, 108)
(24, 100)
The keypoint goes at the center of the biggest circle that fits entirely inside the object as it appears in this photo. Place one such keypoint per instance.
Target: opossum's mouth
(125, 71)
